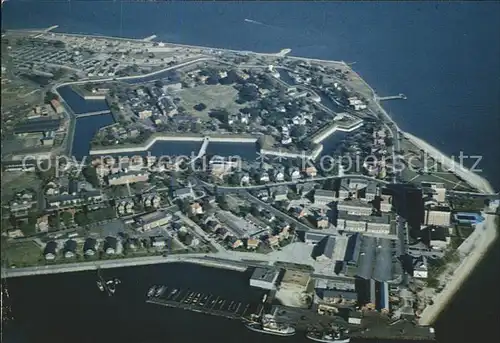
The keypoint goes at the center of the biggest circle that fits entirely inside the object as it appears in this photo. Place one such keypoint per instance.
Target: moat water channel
(87, 127)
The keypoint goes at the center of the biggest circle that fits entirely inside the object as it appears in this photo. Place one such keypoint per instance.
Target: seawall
(335, 127)
(119, 263)
(172, 138)
(469, 176)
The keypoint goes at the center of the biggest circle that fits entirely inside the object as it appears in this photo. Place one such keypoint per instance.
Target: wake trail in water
(254, 22)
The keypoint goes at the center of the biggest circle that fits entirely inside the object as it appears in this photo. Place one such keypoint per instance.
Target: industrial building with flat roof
(264, 278)
(377, 260)
(355, 207)
(37, 125)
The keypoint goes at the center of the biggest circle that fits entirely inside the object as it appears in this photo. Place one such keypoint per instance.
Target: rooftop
(263, 274)
(38, 125)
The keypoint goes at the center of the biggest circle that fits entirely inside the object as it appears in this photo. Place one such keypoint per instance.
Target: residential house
(222, 233)
(196, 208)
(50, 251)
(298, 211)
(273, 241)
(42, 223)
(90, 247)
(237, 243)
(63, 201)
(245, 179)
(278, 175)
(322, 222)
(185, 193)
(323, 197)
(264, 177)
(110, 245)
(304, 188)
(252, 243)
(294, 173)
(369, 192)
(280, 193)
(151, 200)
(263, 195)
(159, 242)
(310, 171)
(70, 248)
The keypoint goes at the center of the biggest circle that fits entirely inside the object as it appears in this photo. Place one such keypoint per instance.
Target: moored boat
(160, 291)
(329, 336)
(151, 291)
(268, 325)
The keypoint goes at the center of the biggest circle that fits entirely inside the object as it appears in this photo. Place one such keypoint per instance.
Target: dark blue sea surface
(443, 56)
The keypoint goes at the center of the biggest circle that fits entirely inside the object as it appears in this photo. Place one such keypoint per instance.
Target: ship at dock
(269, 325)
(107, 286)
(334, 335)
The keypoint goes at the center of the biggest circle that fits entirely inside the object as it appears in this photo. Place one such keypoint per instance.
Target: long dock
(204, 303)
(96, 113)
(392, 97)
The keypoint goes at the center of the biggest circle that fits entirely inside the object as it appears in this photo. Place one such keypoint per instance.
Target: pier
(150, 38)
(204, 303)
(203, 149)
(90, 114)
(392, 97)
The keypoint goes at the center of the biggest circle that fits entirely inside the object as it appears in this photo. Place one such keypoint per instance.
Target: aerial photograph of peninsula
(252, 171)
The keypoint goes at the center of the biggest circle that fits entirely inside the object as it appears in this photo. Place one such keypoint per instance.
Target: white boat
(160, 291)
(151, 291)
(100, 286)
(329, 337)
(270, 326)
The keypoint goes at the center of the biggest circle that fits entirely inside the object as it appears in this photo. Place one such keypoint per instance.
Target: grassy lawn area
(213, 96)
(22, 254)
(16, 182)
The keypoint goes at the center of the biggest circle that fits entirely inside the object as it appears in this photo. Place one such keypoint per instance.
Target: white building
(264, 278)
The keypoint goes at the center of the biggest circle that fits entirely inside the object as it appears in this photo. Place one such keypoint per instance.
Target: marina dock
(204, 303)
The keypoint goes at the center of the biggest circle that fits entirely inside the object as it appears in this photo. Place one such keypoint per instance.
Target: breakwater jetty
(400, 96)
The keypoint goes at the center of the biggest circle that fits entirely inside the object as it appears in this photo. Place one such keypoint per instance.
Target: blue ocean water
(443, 56)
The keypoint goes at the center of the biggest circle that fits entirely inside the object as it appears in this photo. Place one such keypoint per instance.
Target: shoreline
(487, 238)
(461, 273)
(119, 263)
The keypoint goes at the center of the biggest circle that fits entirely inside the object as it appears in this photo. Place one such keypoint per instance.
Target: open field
(14, 182)
(22, 254)
(213, 96)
